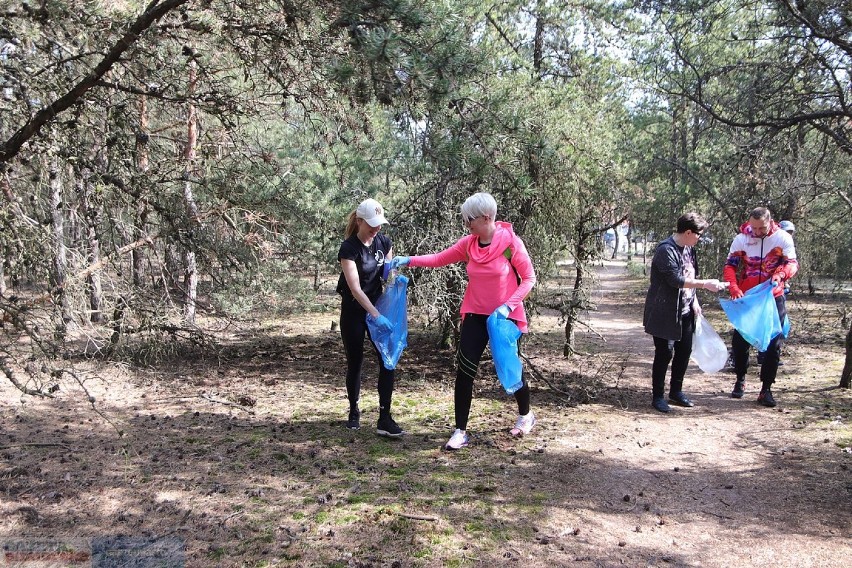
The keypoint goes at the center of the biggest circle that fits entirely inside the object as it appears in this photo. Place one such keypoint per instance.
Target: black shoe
(387, 427)
(739, 389)
(680, 399)
(761, 356)
(661, 405)
(354, 422)
(765, 398)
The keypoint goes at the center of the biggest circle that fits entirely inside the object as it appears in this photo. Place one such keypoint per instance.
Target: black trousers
(769, 368)
(353, 330)
(474, 338)
(675, 352)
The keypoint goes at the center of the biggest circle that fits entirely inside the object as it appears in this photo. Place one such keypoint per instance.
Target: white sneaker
(524, 424)
(458, 440)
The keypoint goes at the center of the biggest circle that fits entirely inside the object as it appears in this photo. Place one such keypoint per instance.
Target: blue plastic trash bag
(708, 349)
(503, 334)
(755, 316)
(392, 304)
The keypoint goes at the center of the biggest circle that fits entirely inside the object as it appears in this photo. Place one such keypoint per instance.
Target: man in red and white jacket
(760, 252)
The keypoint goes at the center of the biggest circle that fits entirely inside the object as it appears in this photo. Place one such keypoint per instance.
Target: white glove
(714, 285)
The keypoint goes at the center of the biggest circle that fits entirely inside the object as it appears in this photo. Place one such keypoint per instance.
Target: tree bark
(629, 238)
(137, 256)
(60, 252)
(190, 263)
(616, 243)
(572, 313)
(583, 251)
(7, 192)
(91, 217)
(846, 376)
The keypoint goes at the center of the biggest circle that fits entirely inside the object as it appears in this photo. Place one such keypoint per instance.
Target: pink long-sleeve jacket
(492, 272)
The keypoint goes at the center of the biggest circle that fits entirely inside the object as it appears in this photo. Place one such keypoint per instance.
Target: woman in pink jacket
(500, 275)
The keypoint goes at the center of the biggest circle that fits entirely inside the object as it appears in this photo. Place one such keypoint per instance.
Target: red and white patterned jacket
(754, 260)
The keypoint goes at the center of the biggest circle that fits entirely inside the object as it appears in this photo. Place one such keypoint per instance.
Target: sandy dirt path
(726, 483)
(239, 457)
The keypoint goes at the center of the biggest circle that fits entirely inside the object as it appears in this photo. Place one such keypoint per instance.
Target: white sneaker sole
(518, 433)
(387, 434)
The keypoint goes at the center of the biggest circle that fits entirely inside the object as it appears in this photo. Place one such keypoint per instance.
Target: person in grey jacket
(671, 308)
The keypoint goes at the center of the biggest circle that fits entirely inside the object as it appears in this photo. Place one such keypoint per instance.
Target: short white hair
(477, 205)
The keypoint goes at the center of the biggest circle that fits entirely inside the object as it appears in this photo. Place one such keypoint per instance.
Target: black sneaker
(661, 405)
(739, 389)
(387, 427)
(354, 422)
(765, 398)
(680, 399)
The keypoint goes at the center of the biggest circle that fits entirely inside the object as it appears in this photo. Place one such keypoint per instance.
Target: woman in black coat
(671, 308)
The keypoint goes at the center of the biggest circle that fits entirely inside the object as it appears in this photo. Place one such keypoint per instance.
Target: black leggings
(675, 352)
(353, 329)
(474, 338)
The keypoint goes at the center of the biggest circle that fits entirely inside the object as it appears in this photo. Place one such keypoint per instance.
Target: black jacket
(663, 302)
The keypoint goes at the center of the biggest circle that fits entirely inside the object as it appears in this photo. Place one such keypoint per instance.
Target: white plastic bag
(708, 349)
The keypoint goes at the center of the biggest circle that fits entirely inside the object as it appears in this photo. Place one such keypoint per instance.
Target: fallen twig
(418, 517)
(718, 515)
(539, 376)
(683, 453)
(36, 445)
(7, 370)
(226, 403)
(229, 517)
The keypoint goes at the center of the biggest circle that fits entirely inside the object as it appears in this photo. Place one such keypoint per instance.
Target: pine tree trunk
(13, 205)
(568, 347)
(572, 314)
(846, 376)
(92, 216)
(137, 256)
(58, 276)
(629, 238)
(190, 266)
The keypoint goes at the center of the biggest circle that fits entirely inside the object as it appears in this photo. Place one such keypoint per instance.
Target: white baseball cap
(372, 212)
(787, 226)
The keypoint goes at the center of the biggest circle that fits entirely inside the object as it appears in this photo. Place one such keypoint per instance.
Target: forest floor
(240, 458)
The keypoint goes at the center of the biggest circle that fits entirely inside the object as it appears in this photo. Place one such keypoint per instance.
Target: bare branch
(816, 29)
(10, 374)
(152, 13)
(842, 194)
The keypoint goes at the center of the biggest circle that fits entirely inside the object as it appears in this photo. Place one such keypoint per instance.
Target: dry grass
(242, 456)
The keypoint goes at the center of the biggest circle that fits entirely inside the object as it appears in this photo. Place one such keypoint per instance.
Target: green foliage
(747, 111)
(273, 288)
(280, 158)
(574, 116)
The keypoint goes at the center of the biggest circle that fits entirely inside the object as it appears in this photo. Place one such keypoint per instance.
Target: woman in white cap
(362, 257)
